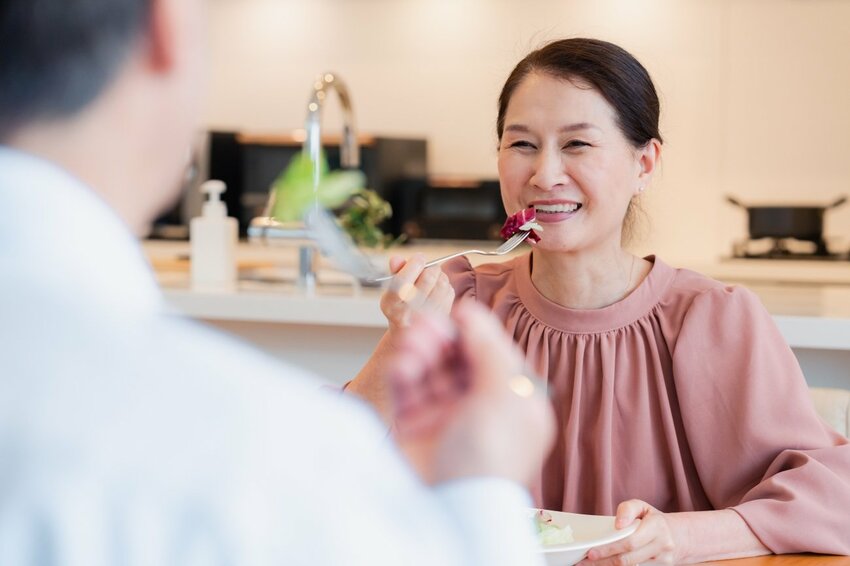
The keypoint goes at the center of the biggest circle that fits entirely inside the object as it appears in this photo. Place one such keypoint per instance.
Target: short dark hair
(56, 56)
(608, 68)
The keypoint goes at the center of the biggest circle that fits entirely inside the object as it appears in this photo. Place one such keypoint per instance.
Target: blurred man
(131, 437)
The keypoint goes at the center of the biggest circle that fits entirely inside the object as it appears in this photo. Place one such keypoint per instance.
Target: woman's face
(562, 153)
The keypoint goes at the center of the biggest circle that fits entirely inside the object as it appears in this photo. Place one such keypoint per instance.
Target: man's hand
(458, 411)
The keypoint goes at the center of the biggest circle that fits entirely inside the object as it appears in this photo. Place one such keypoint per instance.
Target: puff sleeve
(758, 445)
(461, 277)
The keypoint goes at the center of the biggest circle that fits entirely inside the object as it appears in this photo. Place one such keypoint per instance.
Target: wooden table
(787, 560)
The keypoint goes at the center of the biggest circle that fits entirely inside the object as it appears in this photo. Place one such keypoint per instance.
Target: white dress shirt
(132, 437)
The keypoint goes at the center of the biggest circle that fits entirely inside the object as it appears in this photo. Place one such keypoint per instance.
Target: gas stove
(786, 248)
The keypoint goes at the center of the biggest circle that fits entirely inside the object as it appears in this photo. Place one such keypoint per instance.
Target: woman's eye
(574, 144)
(521, 144)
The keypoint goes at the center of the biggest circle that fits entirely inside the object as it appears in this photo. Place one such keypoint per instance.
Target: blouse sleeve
(461, 276)
(758, 445)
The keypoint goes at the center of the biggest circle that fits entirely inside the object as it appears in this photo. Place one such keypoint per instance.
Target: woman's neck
(587, 280)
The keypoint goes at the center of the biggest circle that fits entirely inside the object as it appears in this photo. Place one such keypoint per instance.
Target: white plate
(589, 531)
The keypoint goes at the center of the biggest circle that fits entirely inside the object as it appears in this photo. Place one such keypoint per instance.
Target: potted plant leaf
(360, 211)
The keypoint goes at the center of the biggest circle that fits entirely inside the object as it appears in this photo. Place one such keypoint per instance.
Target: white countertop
(821, 272)
(809, 300)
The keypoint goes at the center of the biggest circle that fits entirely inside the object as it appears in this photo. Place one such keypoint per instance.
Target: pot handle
(736, 202)
(841, 200)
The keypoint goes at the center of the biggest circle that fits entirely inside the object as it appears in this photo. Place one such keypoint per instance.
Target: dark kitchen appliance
(450, 208)
(792, 232)
(248, 163)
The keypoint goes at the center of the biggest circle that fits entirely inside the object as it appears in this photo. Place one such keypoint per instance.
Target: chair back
(833, 405)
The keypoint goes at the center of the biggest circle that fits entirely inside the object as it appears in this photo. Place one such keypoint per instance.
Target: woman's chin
(556, 246)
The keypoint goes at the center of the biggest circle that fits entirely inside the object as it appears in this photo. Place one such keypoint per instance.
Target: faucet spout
(268, 228)
(349, 149)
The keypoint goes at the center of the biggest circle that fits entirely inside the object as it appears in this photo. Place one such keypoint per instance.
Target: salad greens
(548, 532)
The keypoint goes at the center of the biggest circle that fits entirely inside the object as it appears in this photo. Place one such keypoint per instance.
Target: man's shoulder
(251, 377)
(179, 386)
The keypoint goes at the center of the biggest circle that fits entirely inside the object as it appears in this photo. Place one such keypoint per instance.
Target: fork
(507, 246)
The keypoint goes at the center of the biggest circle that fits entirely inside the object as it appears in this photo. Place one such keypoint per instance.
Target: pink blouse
(683, 394)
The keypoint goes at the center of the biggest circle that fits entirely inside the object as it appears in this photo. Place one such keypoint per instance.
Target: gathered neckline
(634, 306)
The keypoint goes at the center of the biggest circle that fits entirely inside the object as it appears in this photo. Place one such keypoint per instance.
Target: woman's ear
(648, 158)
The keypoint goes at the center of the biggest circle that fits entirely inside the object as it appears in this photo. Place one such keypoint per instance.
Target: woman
(678, 401)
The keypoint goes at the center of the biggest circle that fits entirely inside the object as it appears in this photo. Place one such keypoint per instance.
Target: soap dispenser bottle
(213, 237)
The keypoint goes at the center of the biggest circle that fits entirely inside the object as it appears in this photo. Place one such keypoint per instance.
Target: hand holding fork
(507, 246)
(417, 287)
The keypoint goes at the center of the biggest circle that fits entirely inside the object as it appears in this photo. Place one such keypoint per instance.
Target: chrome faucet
(265, 228)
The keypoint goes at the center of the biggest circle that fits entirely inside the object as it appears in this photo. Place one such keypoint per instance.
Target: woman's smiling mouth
(555, 212)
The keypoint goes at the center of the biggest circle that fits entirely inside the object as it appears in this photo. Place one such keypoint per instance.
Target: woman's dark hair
(610, 69)
(57, 55)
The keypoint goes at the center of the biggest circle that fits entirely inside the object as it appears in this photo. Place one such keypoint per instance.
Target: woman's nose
(549, 171)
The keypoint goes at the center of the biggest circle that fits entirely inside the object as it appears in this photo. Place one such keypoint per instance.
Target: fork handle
(440, 260)
(431, 263)
(506, 247)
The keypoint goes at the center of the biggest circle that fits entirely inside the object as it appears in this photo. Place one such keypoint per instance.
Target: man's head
(60, 55)
(109, 89)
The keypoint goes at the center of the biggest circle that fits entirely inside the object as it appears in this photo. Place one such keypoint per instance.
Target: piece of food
(549, 533)
(522, 221)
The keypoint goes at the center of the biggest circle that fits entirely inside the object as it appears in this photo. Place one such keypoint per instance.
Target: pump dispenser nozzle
(213, 206)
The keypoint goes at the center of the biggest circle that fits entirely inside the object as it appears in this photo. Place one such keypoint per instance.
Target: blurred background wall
(755, 93)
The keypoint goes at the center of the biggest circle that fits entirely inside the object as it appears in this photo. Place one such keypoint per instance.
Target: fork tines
(512, 242)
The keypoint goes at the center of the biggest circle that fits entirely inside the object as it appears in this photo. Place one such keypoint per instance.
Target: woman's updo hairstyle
(610, 69)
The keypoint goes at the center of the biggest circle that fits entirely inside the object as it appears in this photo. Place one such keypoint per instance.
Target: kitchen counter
(810, 302)
(814, 272)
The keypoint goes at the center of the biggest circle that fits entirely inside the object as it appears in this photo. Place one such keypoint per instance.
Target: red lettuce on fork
(524, 220)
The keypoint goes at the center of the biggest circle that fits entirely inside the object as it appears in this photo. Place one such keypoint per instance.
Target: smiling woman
(607, 101)
(563, 153)
(678, 400)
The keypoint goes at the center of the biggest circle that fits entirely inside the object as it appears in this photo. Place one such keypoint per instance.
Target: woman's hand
(653, 541)
(415, 288)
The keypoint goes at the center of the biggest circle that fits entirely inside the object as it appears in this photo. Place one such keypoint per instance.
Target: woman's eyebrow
(578, 126)
(521, 128)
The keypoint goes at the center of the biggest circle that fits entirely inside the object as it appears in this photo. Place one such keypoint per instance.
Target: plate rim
(613, 537)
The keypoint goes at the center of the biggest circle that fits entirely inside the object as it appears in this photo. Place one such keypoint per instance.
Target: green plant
(293, 192)
(361, 217)
(359, 210)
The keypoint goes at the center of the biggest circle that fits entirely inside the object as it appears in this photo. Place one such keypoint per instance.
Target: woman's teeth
(551, 208)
